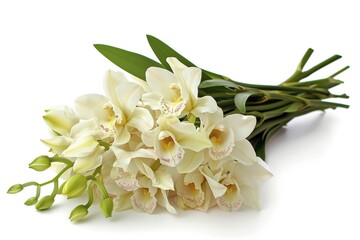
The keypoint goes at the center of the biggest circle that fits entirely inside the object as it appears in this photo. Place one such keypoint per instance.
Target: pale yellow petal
(143, 201)
(141, 119)
(244, 152)
(122, 202)
(163, 201)
(190, 161)
(241, 125)
(82, 147)
(88, 163)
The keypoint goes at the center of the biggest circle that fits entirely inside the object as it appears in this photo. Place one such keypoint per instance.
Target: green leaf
(218, 83)
(131, 62)
(163, 51)
(241, 99)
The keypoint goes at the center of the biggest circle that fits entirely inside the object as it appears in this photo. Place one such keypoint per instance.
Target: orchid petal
(217, 188)
(222, 142)
(241, 125)
(252, 175)
(82, 147)
(188, 137)
(163, 181)
(251, 196)
(85, 164)
(210, 120)
(164, 201)
(128, 95)
(192, 78)
(123, 158)
(149, 137)
(60, 119)
(152, 100)
(190, 161)
(244, 152)
(231, 200)
(143, 201)
(168, 149)
(159, 80)
(111, 81)
(125, 180)
(122, 136)
(206, 104)
(57, 144)
(91, 105)
(175, 64)
(122, 202)
(189, 194)
(141, 119)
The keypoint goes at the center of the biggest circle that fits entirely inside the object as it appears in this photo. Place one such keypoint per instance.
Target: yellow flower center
(216, 135)
(168, 143)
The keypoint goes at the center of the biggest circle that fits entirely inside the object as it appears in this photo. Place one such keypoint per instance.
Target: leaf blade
(130, 62)
(163, 51)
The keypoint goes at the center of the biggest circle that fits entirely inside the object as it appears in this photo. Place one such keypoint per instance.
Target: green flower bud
(78, 213)
(31, 201)
(44, 203)
(15, 189)
(107, 206)
(75, 186)
(40, 163)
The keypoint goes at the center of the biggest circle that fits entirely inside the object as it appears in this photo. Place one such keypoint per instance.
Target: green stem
(56, 187)
(30, 184)
(100, 186)
(57, 176)
(265, 107)
(90, 196)
(61, 160)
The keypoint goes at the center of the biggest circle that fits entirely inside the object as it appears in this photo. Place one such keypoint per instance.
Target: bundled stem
(274, 106)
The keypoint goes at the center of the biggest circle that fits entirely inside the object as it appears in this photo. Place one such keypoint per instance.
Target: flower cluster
(158, 140)
(171, 133)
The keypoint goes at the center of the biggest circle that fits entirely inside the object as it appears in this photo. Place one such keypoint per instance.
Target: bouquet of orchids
(170, 133)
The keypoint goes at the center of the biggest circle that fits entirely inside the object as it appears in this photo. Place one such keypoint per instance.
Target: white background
(47, 58)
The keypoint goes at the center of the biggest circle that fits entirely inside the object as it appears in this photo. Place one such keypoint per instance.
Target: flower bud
(44, 203)
(75, 186)
(40, 163)
(31, 201)
(107, 206)
(15, 189)
(78, 213)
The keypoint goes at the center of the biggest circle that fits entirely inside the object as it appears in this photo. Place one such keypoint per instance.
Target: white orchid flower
(235, 183)
(177, 93)
(228, 136)
(116, 114)
(60, 119)
(144, 198)
(189, 190)
(87, 154)
(172, 137)
(189, 79)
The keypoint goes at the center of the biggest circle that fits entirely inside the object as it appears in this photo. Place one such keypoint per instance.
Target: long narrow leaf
(131, 62)
(163, 51)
